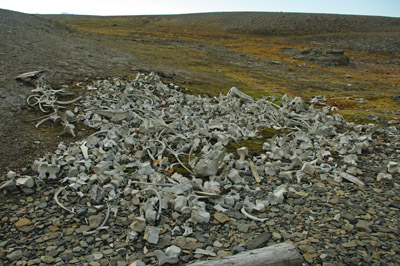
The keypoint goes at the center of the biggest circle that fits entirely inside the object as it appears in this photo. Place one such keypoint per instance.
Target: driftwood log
(283, 254)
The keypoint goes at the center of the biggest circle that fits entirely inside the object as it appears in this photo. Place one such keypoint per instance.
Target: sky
(389, 8)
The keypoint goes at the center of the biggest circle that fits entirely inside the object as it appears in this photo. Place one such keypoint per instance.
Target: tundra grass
(209, 60)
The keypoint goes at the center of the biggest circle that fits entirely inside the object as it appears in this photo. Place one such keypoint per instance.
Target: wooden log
(283, 254)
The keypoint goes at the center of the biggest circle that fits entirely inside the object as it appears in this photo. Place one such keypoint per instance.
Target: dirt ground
(254, 51)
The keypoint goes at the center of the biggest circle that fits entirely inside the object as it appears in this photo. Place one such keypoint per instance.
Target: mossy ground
(213, 60)
(254, 146)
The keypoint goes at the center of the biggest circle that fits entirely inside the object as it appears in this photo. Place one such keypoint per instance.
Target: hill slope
(29, 43)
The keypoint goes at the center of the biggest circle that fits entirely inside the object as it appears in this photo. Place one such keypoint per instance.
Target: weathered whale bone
(209, 164)
(148, 131)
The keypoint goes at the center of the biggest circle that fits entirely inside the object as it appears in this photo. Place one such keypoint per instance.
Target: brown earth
(207, 53)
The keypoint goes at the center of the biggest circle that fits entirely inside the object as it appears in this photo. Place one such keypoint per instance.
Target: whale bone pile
(157, 147)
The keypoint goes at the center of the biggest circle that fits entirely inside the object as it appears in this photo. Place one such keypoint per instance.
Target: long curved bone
(253, 217)
(71, 101)
(102, 226)
(179, 160)
(59, 204)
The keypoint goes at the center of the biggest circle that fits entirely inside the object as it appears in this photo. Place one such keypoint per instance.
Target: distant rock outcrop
(324, 57)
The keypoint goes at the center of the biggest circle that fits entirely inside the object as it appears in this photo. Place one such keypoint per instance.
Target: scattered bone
(102, 225)
(171, 255)
(278, 195)
(164, 149)
(209, 164)
(353, 179)
(58, 202)
(32, 74)
(384, 176)
(235, 92)
(254, 171)
(393, 167)
(253, 217)
(26, 182)
(138, 224)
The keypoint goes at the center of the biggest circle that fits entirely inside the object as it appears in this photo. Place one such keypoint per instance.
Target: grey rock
(28, 191)
(4, 243)
(187, 243)
(52, 251)
(27, 229)
(82, 229)
(299, 201)
(307, 248)
(221, 218)
(348, 227)
(383, 229)
(67, 256)
(348, 216)
(224, 253)
(47, 259)
(97, 255)
(199, 236)
(90, 240)
(258, 241)
(164, 241)
(217, 244)
(351, 244)
(107, 252)
(237, 249)
(364, 226)
(138, 263)
(15, 255)
(77, 249)
(83, 244)
(95, 221)
(81, 212)
(276, 236)
(151, 234)
(242, 227)
(97, 194)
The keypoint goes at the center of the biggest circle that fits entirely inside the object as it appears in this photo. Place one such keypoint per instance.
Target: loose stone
(22, 222)
(15, 255)
(364, 226)
(221, 218)
(47, 259)
(258, 241)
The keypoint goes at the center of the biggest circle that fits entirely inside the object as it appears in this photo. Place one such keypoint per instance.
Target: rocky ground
(331, 221)
(31, 43)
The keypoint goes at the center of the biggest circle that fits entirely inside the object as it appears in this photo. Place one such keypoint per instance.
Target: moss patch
(255, 145)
